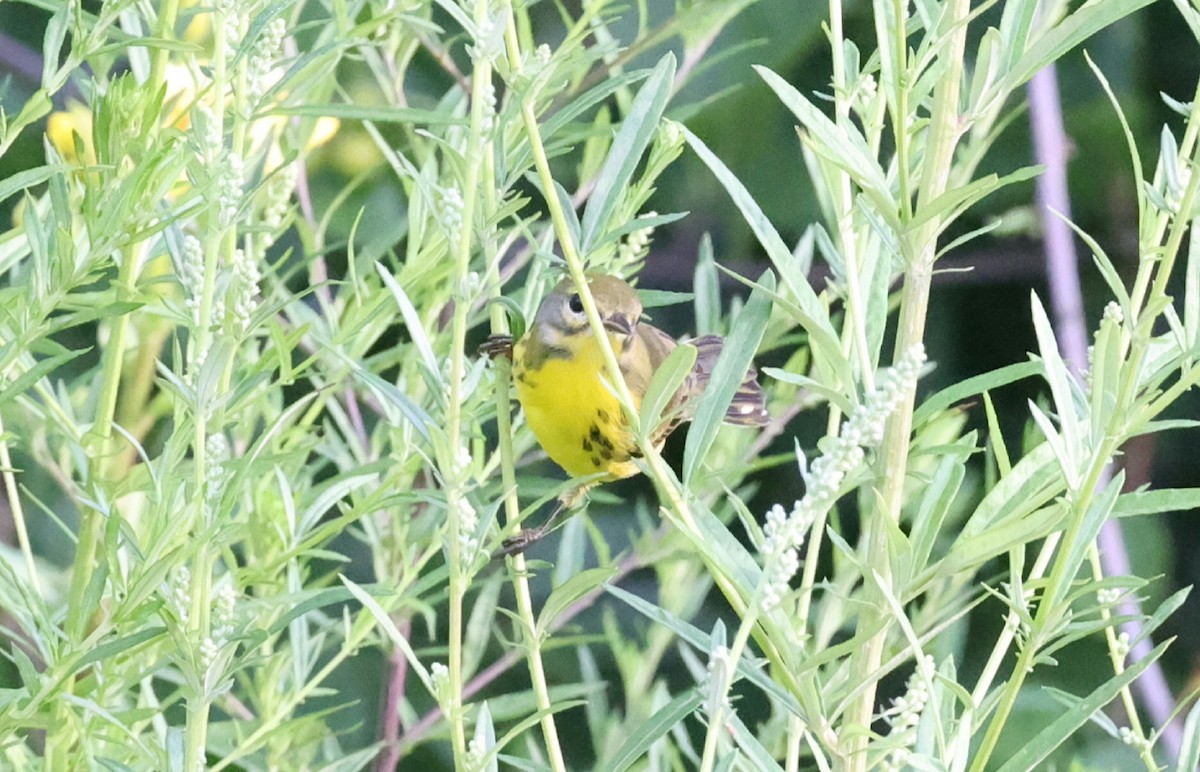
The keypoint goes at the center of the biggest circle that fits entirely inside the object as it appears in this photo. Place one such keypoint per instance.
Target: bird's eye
(575, 304)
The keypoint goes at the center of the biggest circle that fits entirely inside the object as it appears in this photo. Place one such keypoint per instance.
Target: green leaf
(707, 290)
(1015, 25)
(652, 729)
(661, 298)
(412, 321)
(1191, 291)
(394, 397)
(841, 145)
(939, 496)
(1061, 390)
(667, 379)
(1189, 750)
(569, 592)
(1157, 502)
(26, 179)
(1073, 30)
(1035, 750)
(329, 493)
(481, 624)
(118, 646)
(641, 223)
(42, 368)
(948, 206)
(1033, 482)
(372, 113)
(634, 136)
(732, 365)
(831, 395)
(749, 744)
(384, 620)
(1160, 615)
(1089, 529)
(702, 642)
(485, 737)
(813, 316)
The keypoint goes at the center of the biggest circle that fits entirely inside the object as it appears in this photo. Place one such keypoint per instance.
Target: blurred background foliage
(979, 318)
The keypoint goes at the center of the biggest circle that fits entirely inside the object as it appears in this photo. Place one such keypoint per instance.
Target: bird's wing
(748, 407)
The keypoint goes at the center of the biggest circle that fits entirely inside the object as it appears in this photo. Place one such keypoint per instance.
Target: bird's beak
(620, 324)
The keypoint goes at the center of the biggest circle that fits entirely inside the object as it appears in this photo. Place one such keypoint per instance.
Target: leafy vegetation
(256, 472)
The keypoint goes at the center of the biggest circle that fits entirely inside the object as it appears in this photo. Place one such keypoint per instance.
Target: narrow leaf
(412, 321)
(1035, 750)
(667, 379)
(815, 318)
(1157, 502)
(728, 374)
(634, 136)
(569, 592)
(1189, 750)
(652, 729)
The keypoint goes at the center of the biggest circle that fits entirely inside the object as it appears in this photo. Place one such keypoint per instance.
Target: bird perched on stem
(563, 385)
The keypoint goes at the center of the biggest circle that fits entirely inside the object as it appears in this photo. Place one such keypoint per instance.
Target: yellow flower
(61, 128)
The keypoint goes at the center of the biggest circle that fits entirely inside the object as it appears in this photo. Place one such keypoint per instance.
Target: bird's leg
(528, 536)
(497, 346)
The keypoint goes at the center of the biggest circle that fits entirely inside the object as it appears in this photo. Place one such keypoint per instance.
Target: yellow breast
(574, 416)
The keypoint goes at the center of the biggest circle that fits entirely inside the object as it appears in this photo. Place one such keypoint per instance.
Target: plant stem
(518, 572)
(18, 511)
(919, 248)
(364, 627)
(717, 709)
(844, 211)
(196, 729)
(1066, 297)
(481, 78)
(1117, 659)
(1048, 604)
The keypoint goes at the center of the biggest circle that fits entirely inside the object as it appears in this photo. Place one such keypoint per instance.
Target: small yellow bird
(560, 380)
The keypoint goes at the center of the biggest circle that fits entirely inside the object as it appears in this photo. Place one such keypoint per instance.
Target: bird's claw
(514, 545)
(497, 346)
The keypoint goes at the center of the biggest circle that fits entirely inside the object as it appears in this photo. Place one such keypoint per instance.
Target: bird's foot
(497, 346)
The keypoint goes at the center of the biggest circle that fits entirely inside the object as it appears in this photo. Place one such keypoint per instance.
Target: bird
(562, 384)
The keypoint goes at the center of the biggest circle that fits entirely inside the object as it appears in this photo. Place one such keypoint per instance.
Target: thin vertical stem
(481, 79)
(18, 512)
(1066, 299)
(518, 571)
(919, 248)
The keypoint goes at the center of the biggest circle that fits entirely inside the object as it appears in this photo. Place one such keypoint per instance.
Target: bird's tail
(749, 405)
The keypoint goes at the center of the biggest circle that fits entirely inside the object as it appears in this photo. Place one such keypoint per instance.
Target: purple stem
(1066, 300)
(389, 720)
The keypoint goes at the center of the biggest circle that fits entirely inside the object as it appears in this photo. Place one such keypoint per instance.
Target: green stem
(18, 512)
(364, 627)
(196, 729)
(167, 14)
(518, 572)
(1162, 219)
(101, 449)
(920, 250)
(1048, 604)
(459, 572)
(1117, 659)
(716, 719)
(854, 335)
(900, 117)
(1138, 343)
